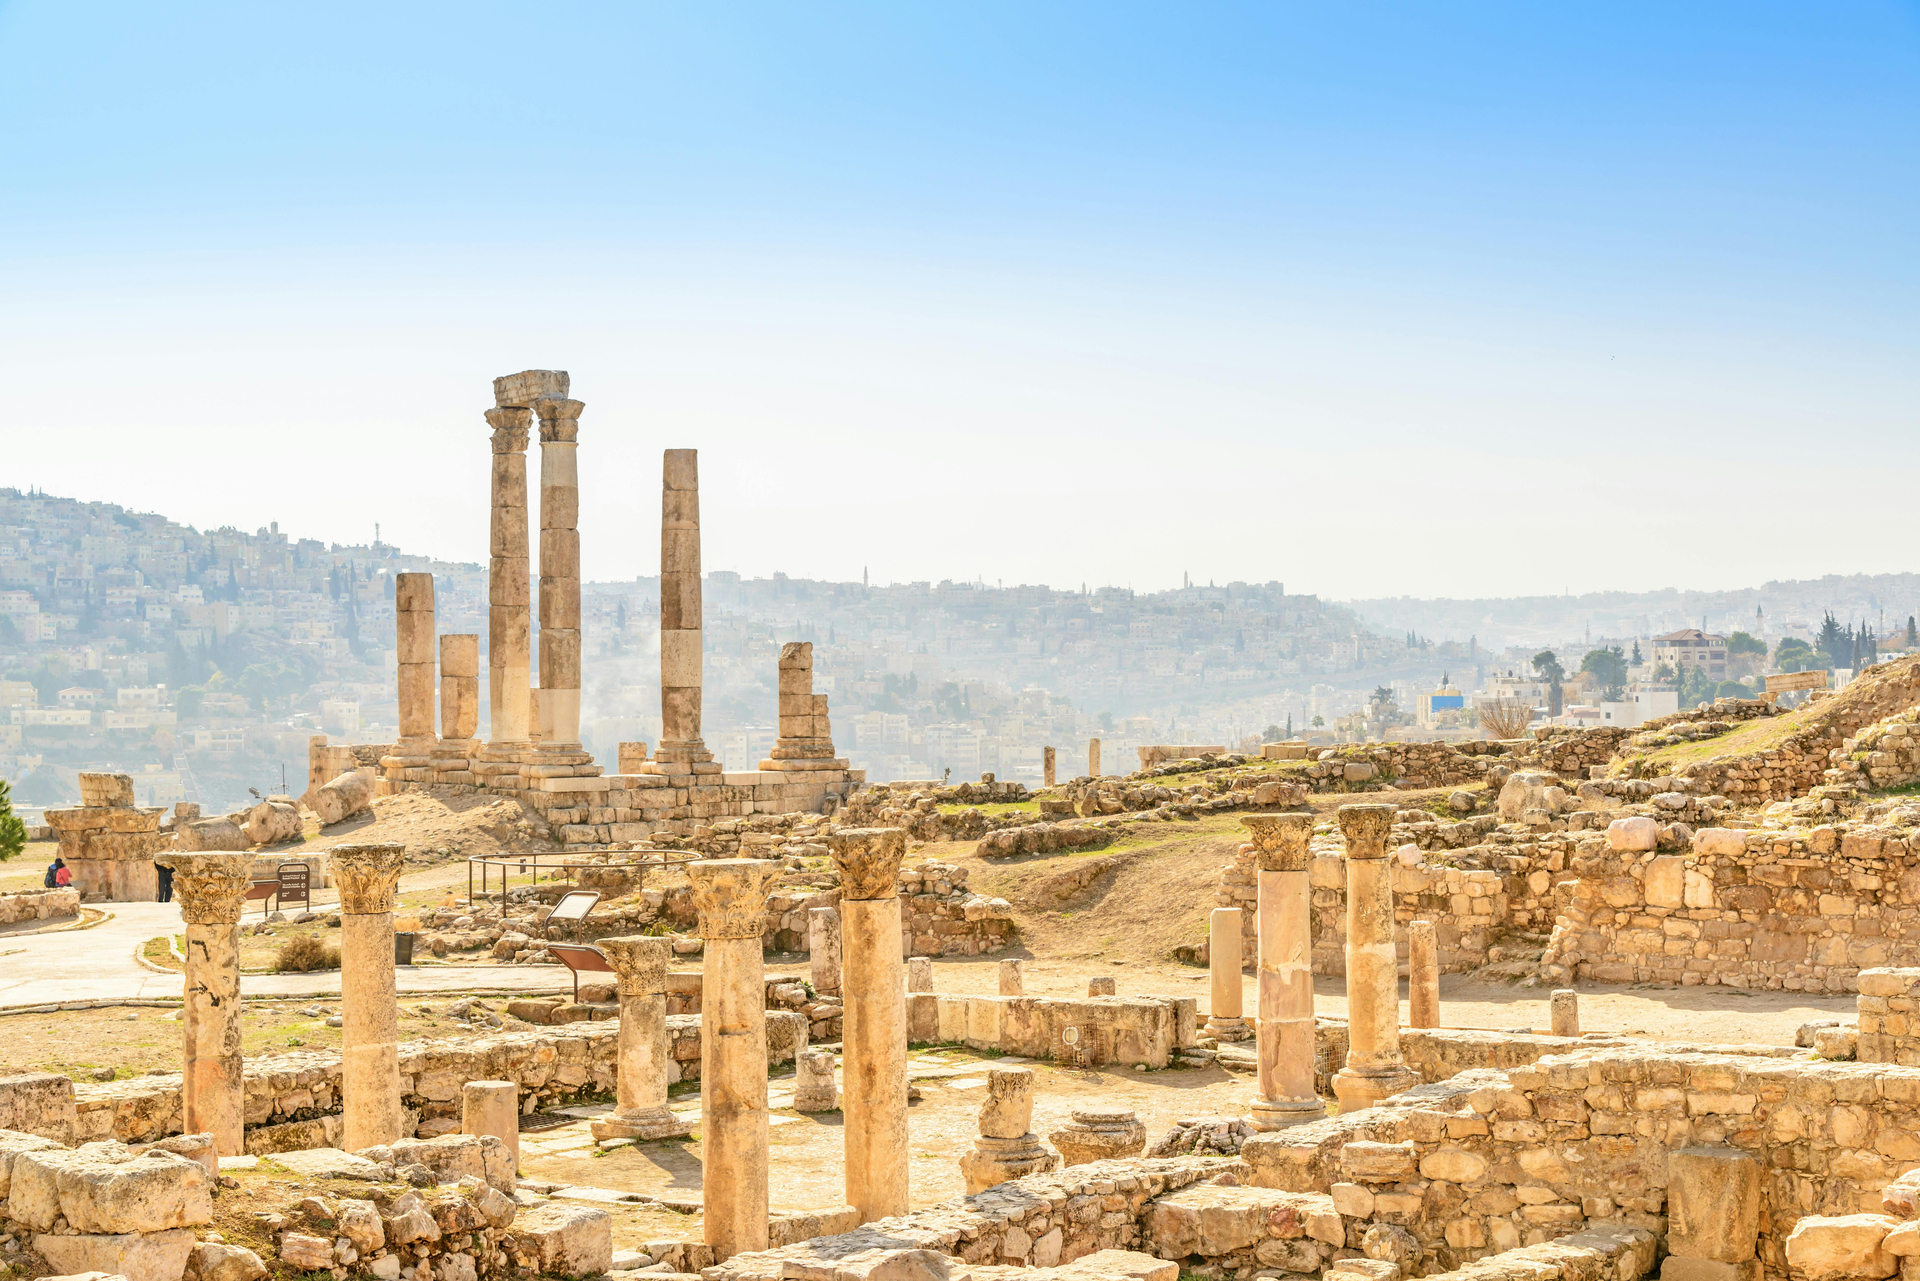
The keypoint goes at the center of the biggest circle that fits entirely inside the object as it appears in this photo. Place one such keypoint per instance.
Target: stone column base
(1228, 1029)
(649, 1123)
(993, 1161)
(1357, 1089)
(1278, 1114)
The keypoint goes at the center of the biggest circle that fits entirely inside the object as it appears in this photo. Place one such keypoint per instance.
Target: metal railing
(531, 865)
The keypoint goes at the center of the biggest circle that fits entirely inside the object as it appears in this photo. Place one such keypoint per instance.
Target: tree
(1637, 660)
(1318, 720)
(1835, 643)
(1741, 643)
(1272, 734)
(1550, 671)
(1913, 634)
(1506, 718)
(1696, 687)
(1794, 655)
(1608, 666)
(13, 832)
(1381, 694)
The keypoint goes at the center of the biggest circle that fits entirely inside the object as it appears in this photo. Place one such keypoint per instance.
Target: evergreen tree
(13, 832)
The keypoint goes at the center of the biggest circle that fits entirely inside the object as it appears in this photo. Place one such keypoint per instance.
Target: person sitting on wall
(59, 875)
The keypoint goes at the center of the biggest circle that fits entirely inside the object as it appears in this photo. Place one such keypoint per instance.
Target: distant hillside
(1796, 606)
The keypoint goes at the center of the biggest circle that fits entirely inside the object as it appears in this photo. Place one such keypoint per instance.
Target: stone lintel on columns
(868, 859)
(1280, 840)
(1365, 828)
(731, 895)
(366, 876)
(523, 389)
(211, 887)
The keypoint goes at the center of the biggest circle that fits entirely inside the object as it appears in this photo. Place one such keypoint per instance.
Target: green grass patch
(993, 809)
(1743, 740)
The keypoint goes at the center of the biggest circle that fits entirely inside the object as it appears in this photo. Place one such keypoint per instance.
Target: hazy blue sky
(1463, 299)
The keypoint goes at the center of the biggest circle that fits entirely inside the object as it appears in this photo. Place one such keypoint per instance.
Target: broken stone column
(211, 890)
(1284, 1094)
(1012, 983)
(814, 1089)
(731, 897)
(1093, 757)
(366, 876)
(1099, 1134)
(413, 643)
(641, 1111)
(1564, 1009)
(509, 617)
(806, 734)
(874, 1027)
(1713, 1214)
(1224, 1020)
(459, 709)
(680, 612)
(1423, 975)
(1374, 1069)
(559, 697)
(492, 1107)
(823, 949)
(1046, 766)
(1007, 1148)
(919, 974)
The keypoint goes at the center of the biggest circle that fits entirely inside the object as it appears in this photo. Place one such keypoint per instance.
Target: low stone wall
(293, 1100)
(1804, 909)
(1089, 1032)
(1889, 1017)
(38, 905)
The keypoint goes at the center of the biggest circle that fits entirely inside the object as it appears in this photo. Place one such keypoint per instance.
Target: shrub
(304, 952)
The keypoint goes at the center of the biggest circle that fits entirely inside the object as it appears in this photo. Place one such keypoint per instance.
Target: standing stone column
(731, 897)
(459, 687)
(1093, 757)
(1046, 767)
(508, 616)
(413, 644)
(823, 949)
(1224, 1020)
(1563, 1008)
(559, 699)
(640, 1111)
(874, 1031)
(370, 1062)
(211, 889)
(1283, 921)
(680, 610)
(1374, 1069)
(1423, 975)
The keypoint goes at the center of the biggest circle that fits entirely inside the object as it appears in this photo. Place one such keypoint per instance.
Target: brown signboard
(1787, 682)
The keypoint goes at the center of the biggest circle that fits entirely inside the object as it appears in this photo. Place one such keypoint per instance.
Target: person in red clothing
(62, 874)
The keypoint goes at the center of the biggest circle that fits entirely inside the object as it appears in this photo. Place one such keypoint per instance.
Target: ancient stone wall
(38, 905)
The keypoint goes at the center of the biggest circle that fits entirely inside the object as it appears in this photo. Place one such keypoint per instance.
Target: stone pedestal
(366, 876)
(1012, 983)
(1006, 1148)
(492, 1107)
(1284, 1094)
(874, 1035)
(640, 969)
(509, 614)
(559, 695)
(1374, 1069)
(823, 949)
(1099, 1134)
(814, 1089)
(680, 612)
(1564, 1009)
(211, 890)
(731, 897)
(1423, 975)
(1224, 1019)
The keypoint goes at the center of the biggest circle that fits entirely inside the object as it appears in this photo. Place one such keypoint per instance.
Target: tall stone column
(508, 616)
(640, 1110)
(874, 1031)
(1093, 757)
(1224, 1019)
(1283, 919)
(680, 611)
(1374, 1069)
(731, 897)
(211, 889)
(370, 1063)
(413, 640)
(559, 696)
(1423, 975)
(1046, 767)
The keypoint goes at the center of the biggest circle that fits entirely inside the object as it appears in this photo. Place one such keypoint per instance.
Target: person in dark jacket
(166, 883)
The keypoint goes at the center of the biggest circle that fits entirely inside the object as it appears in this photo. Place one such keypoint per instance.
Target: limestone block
(271, 822)
(1713, 1203)
(1524, 790)
(213, 1261)
(1666, 881)
(1632, 834)
(105, 1188)
(305, 1252)
(359, 1222)
(1833, 1248)
(153, 1256)
(209, 835)
(341, 798)
(100, 789)
(12, 1143)
(1099, 1134)
(1719, 842)
(453, 1157)
(1677, 1268)
(36, 1104)
(1379, 1162)
(566, 1240)
(1007, 1112)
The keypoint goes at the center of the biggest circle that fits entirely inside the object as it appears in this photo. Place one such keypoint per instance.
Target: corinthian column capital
(1280, 840)
(559, 419)
(731, 896)
(510, 427)
(1365, 827)
(367, 876)
(868, 859)
(212, 888)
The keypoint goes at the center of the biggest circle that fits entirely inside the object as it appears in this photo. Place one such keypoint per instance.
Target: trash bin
(403, 949)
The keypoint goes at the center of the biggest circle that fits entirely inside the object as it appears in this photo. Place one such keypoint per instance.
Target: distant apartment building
(1692, 648)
